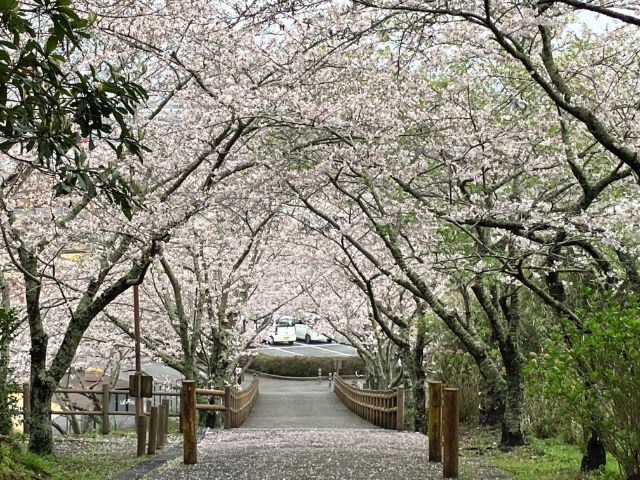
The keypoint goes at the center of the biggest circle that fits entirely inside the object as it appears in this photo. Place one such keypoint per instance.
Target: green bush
(594, 368)
(456, 369)
(544, 413)
(304, 366)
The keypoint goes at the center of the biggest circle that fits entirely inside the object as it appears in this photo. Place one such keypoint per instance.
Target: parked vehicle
(282, 330)
(308, 334)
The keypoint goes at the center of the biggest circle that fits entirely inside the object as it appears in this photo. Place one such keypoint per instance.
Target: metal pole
(136, 325)
(140, 420)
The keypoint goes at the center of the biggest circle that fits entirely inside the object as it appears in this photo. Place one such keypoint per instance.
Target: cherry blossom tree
(208, 111)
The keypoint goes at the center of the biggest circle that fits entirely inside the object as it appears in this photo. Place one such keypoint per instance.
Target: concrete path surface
(300, 404)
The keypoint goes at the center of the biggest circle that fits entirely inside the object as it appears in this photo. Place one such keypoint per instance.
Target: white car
(282, 330)
(308, 334)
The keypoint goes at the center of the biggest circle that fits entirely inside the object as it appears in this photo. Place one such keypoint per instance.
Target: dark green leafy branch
(47, 111)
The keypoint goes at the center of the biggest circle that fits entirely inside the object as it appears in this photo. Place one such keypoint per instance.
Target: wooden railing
(384, 408)
(239, 404)
(236, 407)
(102, 400)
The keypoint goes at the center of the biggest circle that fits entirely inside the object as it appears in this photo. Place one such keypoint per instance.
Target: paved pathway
(299, 454)
(299, 430)
(300, 404)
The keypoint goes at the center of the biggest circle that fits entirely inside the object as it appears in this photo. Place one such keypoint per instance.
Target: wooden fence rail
(239, 404)
(102, 400)
(236, 407)
(384, 408)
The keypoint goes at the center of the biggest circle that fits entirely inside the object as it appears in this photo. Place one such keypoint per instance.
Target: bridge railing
(236, 407)
(239, 404)
(384, 408)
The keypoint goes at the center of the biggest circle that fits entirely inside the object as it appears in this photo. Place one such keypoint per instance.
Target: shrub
(456, 369)
(544, 416)
(595, 369)
(304, 366)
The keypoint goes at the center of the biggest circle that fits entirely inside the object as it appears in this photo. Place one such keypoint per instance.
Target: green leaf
(51, 45)
(8, 6)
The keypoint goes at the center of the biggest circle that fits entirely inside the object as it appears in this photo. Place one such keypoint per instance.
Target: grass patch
(75, 458)
(305, 366)
(541, 459)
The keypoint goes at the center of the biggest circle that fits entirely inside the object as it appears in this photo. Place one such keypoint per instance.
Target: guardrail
(237, 406)
(384, 408)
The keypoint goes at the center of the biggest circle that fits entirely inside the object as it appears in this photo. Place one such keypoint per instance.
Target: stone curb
(282, 377)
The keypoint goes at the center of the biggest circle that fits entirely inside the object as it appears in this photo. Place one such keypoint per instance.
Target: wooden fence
(444, 427)
(237, 406)
(101, 402)
(384, 408)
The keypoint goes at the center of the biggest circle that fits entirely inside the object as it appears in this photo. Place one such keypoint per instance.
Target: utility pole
(136, 326)
(141, 429)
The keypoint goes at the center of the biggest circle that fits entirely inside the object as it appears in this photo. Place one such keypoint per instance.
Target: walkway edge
(282, 377)
(139, 469)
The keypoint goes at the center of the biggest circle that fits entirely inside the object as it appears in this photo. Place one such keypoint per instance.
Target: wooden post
(188, 401)
(161, 427)
(141, 432)
(26, 407)
(435, 422)
(153, 430)
(387, 405)
(227, 406)
(165, 408)
(400, 409)
(105, 409)
(451, 431)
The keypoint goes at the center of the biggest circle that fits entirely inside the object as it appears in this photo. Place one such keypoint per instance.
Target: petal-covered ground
(293, 454)
(300, 430)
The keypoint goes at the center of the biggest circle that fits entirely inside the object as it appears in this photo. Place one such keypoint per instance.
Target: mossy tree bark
(463, 328)
(501, 305)
(8, 325)
(416, 379)
(43, 379)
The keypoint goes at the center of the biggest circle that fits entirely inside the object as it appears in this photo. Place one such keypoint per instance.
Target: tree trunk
(7, 325)
(419, 385)
(410, 382)
(420, 405)
(493, 404)
(5, 404)
(41, 438)
(512, 433)
(42, 385)
(595, 455)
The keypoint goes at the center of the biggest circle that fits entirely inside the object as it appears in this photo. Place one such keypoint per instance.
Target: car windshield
(285, 322)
